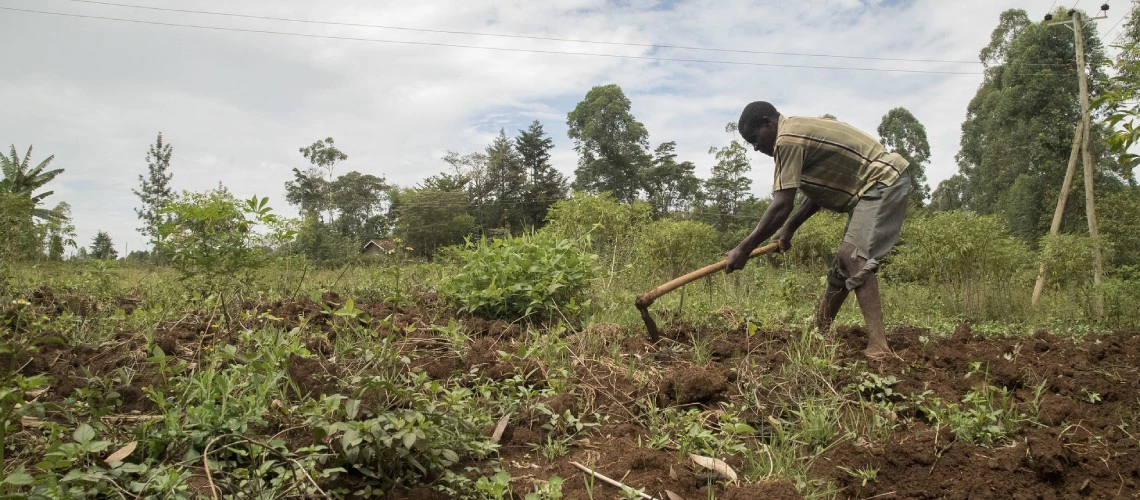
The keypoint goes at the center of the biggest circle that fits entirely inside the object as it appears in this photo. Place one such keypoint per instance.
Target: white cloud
(236, 106)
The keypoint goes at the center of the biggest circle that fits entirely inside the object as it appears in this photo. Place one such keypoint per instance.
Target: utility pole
(1081, 142)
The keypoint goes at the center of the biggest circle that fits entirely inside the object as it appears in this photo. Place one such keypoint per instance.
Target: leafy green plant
(550, 489)
(866, 474)
(534, 276)
(211, 238)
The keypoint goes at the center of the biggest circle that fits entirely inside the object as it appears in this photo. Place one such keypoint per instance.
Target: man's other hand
(784, 238)
(736, 258)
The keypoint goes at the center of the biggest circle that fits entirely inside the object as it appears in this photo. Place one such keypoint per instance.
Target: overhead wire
(500, 49)
(515, 36)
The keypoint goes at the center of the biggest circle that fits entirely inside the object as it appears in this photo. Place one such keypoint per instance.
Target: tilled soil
(1080, 437)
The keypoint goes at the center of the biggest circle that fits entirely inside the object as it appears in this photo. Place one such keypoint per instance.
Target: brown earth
(1080, 437)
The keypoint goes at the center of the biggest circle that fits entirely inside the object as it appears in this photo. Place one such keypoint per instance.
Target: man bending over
(839, 168)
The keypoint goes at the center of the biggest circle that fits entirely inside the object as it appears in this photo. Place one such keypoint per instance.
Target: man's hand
(736, 258)
(784, 237)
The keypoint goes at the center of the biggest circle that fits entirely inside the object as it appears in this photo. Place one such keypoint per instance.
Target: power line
(525, 37)
(500, 49)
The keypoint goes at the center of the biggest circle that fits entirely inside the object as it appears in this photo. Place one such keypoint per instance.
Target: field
(124, 382)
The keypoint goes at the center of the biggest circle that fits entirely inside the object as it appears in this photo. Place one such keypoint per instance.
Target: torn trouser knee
(868, 270)
(838, 277)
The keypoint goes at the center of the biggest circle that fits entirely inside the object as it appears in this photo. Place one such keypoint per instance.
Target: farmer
(840, 168)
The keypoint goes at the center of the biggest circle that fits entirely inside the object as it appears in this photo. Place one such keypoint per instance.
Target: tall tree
(1019, 126)
(359, 200)
(610, 142)
(23, 180)
(506, 178)
(154, 189)
(545, 185)
(902, 133)
(102, 248)
(427, 218)
(729, 186)
(670, 186)
(308, 191)
(60, 231)
(323, 154)
(950, 194)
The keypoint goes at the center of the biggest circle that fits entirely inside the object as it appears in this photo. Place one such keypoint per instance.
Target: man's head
(758, 124)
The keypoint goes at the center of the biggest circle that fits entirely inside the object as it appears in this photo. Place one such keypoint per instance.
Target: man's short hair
(754, 115)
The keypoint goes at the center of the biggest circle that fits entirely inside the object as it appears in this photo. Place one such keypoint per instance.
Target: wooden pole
(1086, 156)
(1061, 199)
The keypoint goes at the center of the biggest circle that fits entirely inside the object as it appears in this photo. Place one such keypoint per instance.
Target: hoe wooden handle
(644, 300)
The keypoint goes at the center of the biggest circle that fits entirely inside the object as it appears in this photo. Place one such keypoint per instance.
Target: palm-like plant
(22, 180)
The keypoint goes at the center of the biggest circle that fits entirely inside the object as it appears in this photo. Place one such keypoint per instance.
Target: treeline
(1014, 147)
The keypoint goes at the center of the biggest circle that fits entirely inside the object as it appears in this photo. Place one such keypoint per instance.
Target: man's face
(763, 139)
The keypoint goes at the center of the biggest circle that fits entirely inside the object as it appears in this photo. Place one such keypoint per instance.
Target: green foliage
(1118, 214)
(610, 142)
(956, 247)
(1069, 259)
(816, 241)
(154, 190)
(729, 186)
(970, 259)
(670, 248)
(1121, 102)
(1020, 123)
(986, 415)
(612, 226)
(534, 276)
(23, 180)
(545, 184)
(902, 133)
(322, 245)
(213, 237)
(16, 220)
(102, 248)
(428, 219)
(671, 187)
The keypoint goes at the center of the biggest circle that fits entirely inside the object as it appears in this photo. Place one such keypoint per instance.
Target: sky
(398, 84)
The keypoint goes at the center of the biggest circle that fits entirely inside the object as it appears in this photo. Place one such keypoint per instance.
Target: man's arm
(774, 217)
(807, 209)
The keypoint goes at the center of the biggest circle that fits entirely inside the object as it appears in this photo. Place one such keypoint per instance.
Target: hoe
(646, 299)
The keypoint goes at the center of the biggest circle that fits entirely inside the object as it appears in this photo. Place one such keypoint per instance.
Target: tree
(670, 186)
(102, 248)
(729, 185)
(1021, 122)
(610, 142)
(545, 185)
(506, 179)
(323, 155)
(308, 191)
(154, 189)
(60, 231)
(950, 194)
(902, 133)
(359, 199)
(20, 235)
(23, 180)
(427, 218)
(1121, 99)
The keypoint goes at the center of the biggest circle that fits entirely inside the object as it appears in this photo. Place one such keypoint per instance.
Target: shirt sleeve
(789, 164)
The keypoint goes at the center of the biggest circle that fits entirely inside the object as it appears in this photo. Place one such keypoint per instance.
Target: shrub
(613, 226)
(981, 271)
(670, 248)
(957, 247)
(817, 240)
(212, 241)
(539, 275)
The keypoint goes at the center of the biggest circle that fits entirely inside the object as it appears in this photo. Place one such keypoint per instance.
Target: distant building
(378, 247)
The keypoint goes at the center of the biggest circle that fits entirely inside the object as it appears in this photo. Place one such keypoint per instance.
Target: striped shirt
(832, 162)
